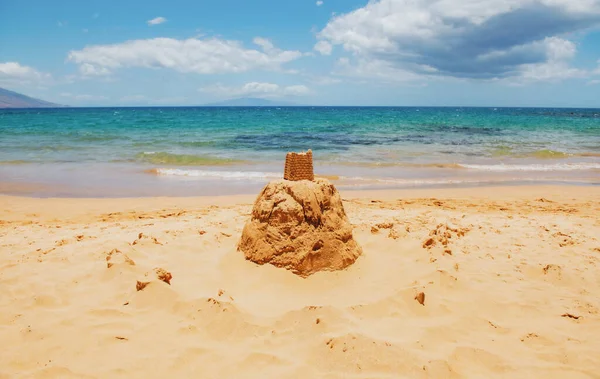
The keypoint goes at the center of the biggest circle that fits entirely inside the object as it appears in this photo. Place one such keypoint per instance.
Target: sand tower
(299, 166)
(299, 223)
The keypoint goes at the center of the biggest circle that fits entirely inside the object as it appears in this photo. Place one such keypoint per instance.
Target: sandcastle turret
(299, 166)
(299, 223)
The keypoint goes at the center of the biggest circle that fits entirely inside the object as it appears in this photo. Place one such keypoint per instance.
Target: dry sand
(510, 277)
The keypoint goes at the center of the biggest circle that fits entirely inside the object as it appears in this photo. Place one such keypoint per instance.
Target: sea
(191, 151)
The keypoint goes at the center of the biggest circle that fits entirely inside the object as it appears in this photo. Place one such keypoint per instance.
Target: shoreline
(565, 193)
(238, 188)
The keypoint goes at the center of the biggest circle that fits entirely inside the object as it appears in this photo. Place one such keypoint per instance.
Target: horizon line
(300, 106)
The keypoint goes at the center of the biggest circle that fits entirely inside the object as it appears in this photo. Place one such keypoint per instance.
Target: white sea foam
(361, 181)
(358, 182)
(534, 167)
(417, 182)
(257, 175)
(239, 175)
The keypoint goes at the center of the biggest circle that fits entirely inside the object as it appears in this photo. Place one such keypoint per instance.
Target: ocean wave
(14, 162)
(485, 167)
(214, 174)
(396, 164)
(262, 176)
(97, 137)
(505, 151)
(546, 154)
(226, 174)
(358, 182)
(198, 143)
(184, 159)
(534, 167)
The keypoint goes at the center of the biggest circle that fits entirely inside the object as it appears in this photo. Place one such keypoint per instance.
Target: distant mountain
(250, 102)
(10, 99)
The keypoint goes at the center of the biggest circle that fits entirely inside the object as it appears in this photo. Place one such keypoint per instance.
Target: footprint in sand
(145, 239)
(554, 271)
(359, 354)
(442, 235)
(82, 237)
(159, 273)
(395, 231)
(62, 242)
(564, 239)
(116, 257)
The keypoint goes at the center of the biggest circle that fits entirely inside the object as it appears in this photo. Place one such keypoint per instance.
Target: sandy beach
(510, 277)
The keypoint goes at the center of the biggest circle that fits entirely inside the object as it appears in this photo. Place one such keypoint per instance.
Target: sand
(300, 226)
(510, 283)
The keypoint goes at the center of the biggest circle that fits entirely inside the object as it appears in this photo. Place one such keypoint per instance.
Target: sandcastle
(299, 166)
(299, 223)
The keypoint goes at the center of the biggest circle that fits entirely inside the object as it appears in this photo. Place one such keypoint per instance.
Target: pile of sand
(300, 226)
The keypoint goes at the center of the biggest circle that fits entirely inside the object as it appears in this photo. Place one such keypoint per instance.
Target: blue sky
(384, 52)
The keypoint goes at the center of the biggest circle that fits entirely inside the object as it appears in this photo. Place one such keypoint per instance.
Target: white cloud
(550, 71)
(201, 56)
(593, 82)
(323, 47)
(463, 38)
(319, 3)
(85, 30)
(559, 49)
(266, 45)
(256, 89)
(556, 66)
(156, 21)
(87, 69)
(17, 70)
(14, 73)
(296, 90)
(374, 69)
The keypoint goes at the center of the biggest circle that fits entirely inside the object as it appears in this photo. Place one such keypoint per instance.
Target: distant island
(250, 102)
(10, 99)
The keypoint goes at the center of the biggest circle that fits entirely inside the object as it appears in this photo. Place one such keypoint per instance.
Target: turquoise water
(163, 151)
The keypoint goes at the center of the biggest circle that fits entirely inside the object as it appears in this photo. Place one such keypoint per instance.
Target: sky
(326, 52)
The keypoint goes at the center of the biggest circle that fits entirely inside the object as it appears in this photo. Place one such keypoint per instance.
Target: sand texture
(300, 226)
(492, 283)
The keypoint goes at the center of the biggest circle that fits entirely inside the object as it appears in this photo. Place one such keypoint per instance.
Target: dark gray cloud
(480, 40)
